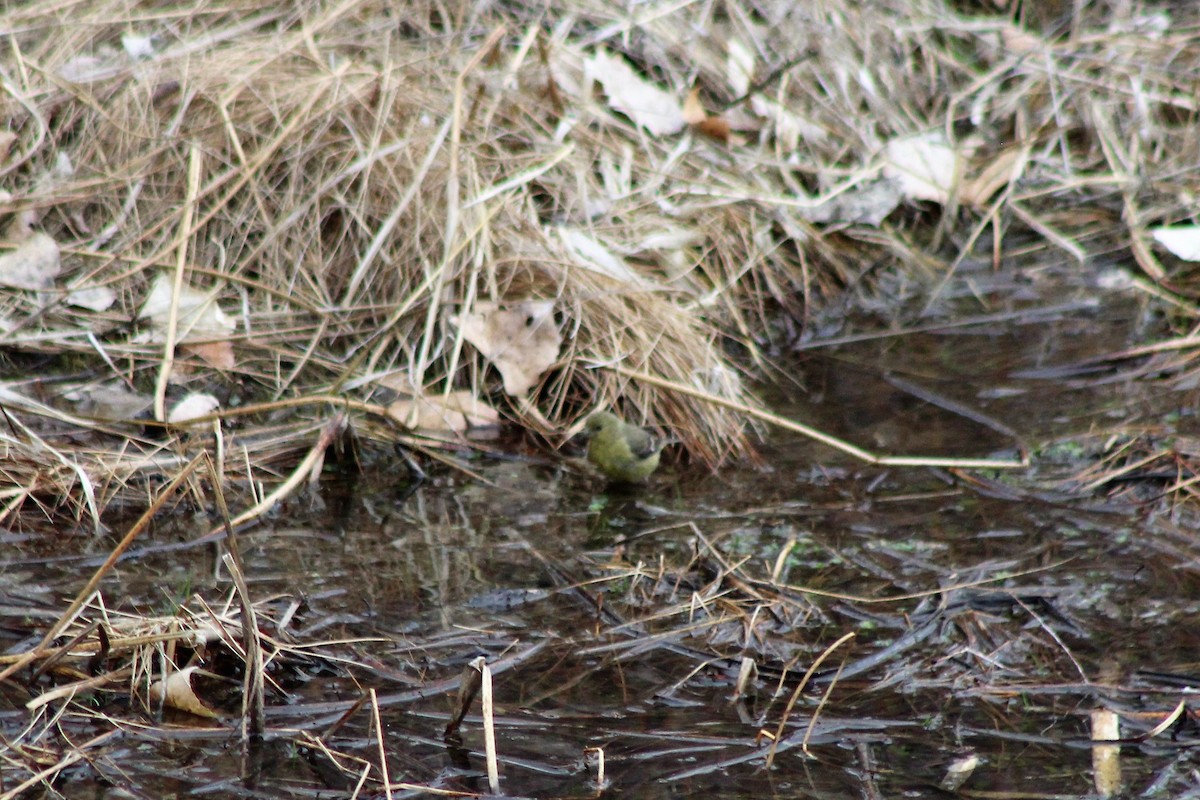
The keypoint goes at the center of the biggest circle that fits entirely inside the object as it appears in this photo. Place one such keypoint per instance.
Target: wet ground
(991, 613)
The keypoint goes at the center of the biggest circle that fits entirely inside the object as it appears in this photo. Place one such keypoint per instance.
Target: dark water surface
(1034, 605)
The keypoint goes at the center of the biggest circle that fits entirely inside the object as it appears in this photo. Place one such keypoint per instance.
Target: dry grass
(350, 175)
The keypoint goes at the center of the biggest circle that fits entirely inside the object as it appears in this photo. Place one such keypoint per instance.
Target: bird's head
(600, 421)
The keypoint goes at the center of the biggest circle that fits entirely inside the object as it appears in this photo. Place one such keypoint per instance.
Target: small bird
(623, 452)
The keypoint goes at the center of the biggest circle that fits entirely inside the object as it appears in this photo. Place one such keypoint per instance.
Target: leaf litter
(364, 183)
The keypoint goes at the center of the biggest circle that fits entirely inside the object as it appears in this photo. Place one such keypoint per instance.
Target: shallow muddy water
(990, 613)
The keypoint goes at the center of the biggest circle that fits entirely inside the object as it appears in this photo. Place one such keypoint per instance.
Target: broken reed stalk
(254, 691)
(253, 682)
(114, 556)
(303, 470)
(778, 735)
(812, 720)
(72, 756)
(183, 237)
(820, 436)
(597, 753)
(487, 703)
(377, 723)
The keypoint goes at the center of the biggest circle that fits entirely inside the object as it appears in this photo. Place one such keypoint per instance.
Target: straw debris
(348, 178)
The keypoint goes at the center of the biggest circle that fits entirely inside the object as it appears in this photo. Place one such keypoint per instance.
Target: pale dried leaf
(1002, 170)
(93, 298)
(593, 255)
(194, 406)
(669, 238)
(959, 771)
(455, 412)
(113, 401)
(34, 264)
(1182, 240)
(175, 691)
(925, 165)
(629, 93)
(739, 66)
(693, 112)
(521, 339)
(138, 47)
(1020, 41)
(215, 354)
(106, 63)
(867, 204)
(200, 318)
(790, 128)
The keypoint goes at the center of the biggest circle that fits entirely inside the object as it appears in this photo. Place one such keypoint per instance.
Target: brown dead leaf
(455, 412)
(521, 339)
(1002, 170)
(693, 112)
(199, 316)
(215, 354)
(695, 115)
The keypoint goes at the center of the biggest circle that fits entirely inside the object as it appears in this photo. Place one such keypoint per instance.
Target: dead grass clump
(345, 179)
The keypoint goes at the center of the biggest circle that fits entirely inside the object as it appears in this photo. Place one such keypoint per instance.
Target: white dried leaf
(112, 401)
(93, 298)
(34, 264)
(1182, 240)
(790, 128)
(867, 204)
(62, 169)
(925, 165)
(200, 318)
(650, 107)
(194, 406)
(590, 254)
(671, 238)
(739, 67)
(90, 68)
(138, 47)
(959, 771)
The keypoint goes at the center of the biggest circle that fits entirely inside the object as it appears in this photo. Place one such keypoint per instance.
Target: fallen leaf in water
(521, 339)
(175, 691)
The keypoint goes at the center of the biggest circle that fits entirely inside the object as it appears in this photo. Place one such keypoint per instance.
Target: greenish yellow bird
(623, 452)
